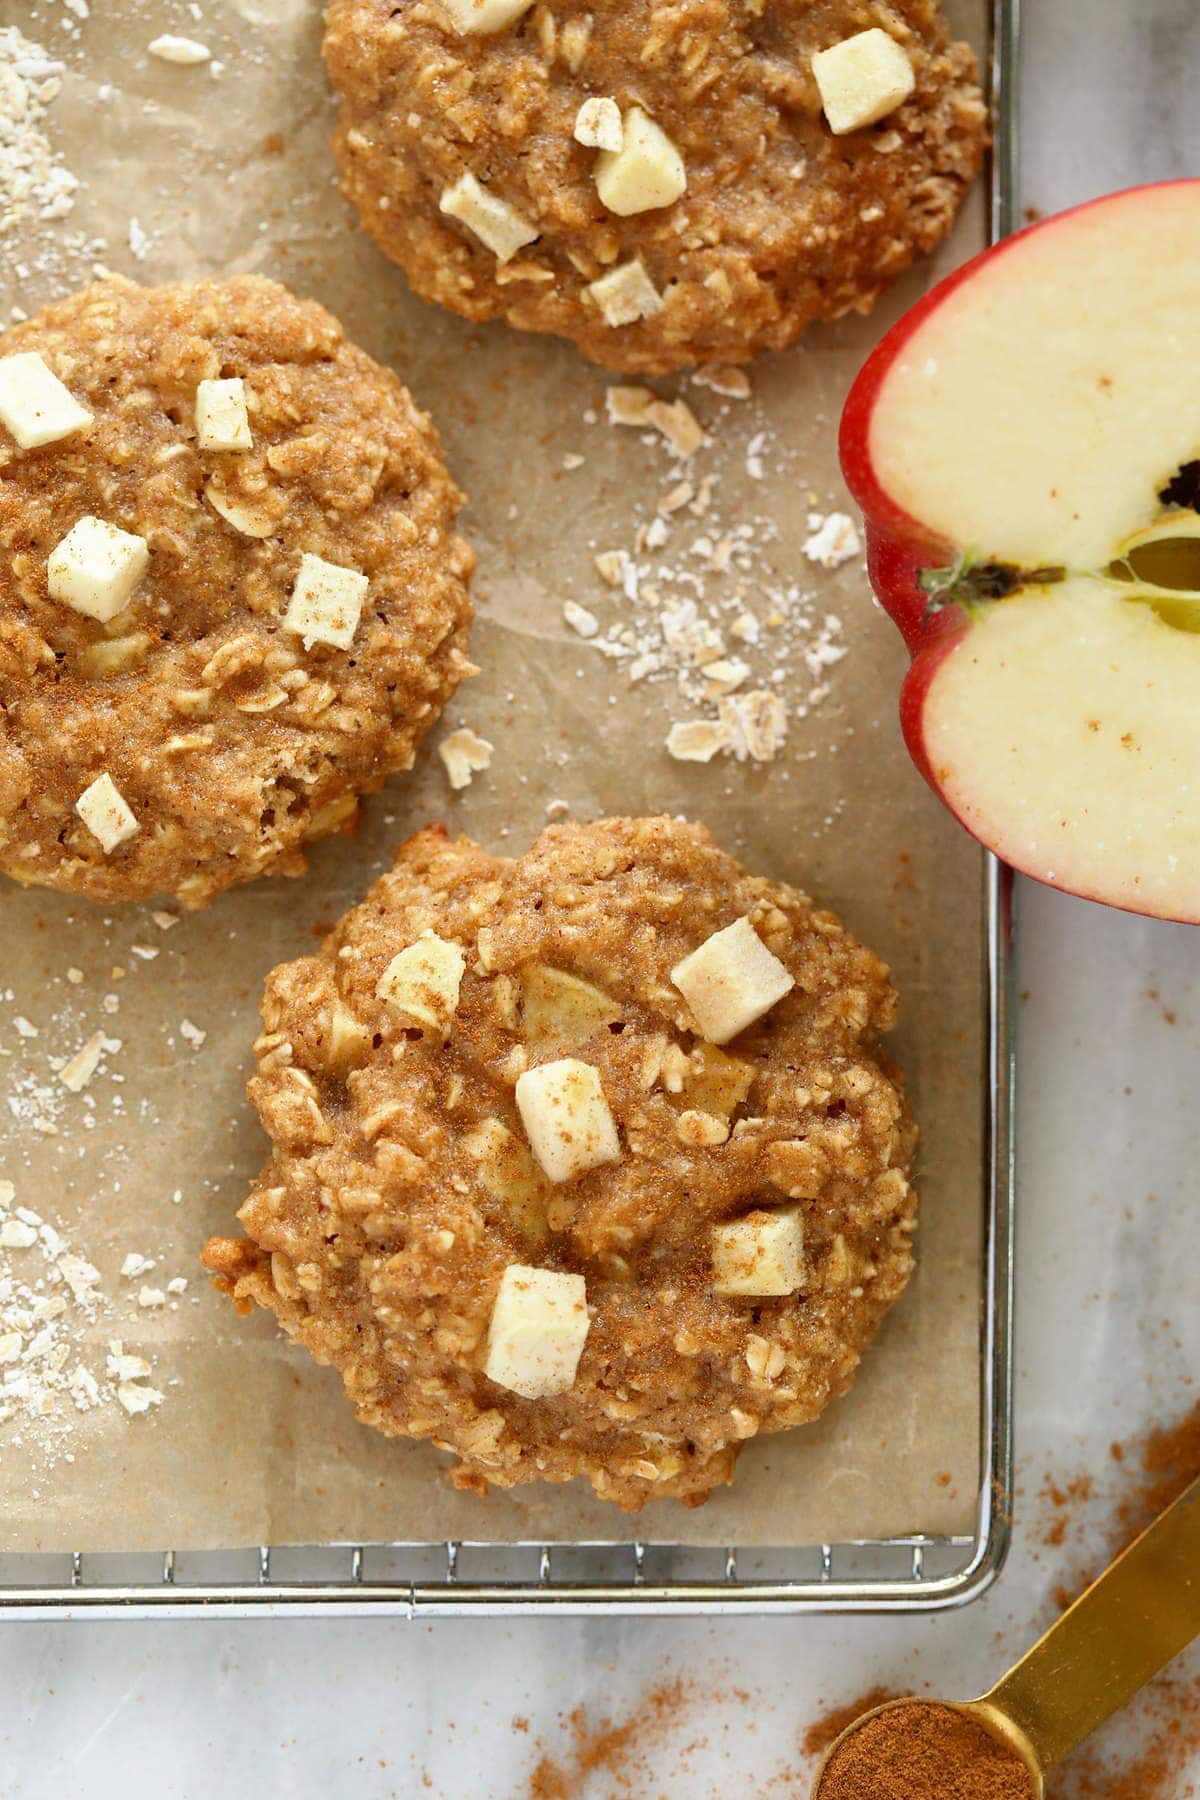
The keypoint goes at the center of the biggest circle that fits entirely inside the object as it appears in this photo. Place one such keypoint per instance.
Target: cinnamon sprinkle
(614, 1749)
(1154, 1471)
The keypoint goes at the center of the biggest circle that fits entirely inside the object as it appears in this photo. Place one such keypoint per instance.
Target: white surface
(1108, 1144)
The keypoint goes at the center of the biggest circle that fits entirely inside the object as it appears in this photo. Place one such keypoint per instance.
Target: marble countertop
(1109, 1135)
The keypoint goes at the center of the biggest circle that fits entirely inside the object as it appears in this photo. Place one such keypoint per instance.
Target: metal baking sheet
(530, 1562)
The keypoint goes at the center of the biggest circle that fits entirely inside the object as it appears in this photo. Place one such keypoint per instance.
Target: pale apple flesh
(1065, 733)
(1026, 449)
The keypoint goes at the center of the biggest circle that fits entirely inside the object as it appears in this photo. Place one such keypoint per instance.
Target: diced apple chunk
(96, 567)
(538, 1330)
(598, 124)
(567, 1118)
(761, 1254)
(423, 980)
(862, 80)
(480, 18)
(35, 406)
(730, 981)
(645, 173)
(559, 1010)
(626, 294)
(715, 1082)
(326, 603)
(508, 1173)
(497, 225)
(106, 813)
(349, 1038)
(222, 421)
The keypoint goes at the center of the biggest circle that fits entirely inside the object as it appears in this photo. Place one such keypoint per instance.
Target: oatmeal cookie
(658, 180)
(231, 595)
(584, 1164)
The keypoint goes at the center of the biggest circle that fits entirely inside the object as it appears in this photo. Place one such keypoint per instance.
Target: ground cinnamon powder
(615, 1750)
(825, 1730)
(925, 1751)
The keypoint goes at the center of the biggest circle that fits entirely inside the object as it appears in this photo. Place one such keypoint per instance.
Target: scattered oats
(611, 566)
(177, 1284)
(639, 406)
(697, 740)
(692, 638)
(137, 1399)
(726, 674)
(734, 384)
(123, 1367)
(824, 651)
(754, 461)
(147, 952)
(580, 619)
(165, 920)
(23, 1028)
(33, 182)
(746, 628)
(757, 724)
(628, 405)
(79, 1275)
(16, 1235)
(139, 243)
(464, 754)
(654, 535)
(111, 1003)
(557, 809)
(151, 1296)
(75, 976)
(573, 460)
(79, 1069)
(192, 1033)
(183, 50)
(676, 498)
(832, 540)
(135, 1264)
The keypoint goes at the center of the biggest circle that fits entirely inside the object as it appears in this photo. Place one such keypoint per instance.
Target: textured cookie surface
(781, 222)
(231, 736)
(404, 1178)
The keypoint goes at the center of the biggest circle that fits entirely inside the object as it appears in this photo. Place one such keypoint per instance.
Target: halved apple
(1025, 446)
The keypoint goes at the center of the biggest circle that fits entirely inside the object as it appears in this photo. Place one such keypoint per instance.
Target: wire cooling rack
(456, 1579)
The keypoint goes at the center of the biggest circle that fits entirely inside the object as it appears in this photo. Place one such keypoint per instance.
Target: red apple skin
(899, 546)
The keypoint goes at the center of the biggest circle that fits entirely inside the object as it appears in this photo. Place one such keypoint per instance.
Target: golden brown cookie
(472, 139)
(585, 1163)
(232, 598)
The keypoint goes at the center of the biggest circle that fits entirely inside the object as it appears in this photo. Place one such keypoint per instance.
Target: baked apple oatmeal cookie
(232, 598)
(584, 1163)
(663, 181)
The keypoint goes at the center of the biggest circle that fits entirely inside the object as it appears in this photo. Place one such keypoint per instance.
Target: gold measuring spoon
(1139, 1614)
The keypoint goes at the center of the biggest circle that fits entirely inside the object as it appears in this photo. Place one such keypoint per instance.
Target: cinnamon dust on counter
(1150, 1473)
(924, 1751)
(616, 1750)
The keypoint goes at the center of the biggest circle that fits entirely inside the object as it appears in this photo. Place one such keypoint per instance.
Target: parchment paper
(254, 1443)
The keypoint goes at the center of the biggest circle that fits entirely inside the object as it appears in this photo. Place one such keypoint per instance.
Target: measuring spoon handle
(1142, 1611)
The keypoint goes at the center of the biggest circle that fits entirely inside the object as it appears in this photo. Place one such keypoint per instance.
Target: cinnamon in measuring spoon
(923, 1751)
